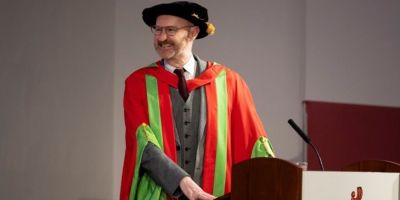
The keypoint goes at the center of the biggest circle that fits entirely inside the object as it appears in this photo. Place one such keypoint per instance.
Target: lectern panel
(266, 179)
(350, 185)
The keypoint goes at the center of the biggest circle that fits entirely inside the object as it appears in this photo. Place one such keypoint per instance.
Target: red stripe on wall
(346, 133)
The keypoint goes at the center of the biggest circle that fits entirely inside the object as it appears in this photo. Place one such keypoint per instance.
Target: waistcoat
(189, 118)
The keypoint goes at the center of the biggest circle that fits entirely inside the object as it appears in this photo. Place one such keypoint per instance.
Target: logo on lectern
(359, 194)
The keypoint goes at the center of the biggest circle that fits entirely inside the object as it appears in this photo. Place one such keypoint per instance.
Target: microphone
(307, 140)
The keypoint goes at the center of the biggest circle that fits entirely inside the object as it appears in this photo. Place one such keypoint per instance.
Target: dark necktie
(182, 83)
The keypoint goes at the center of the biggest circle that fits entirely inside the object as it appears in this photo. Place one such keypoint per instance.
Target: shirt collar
(190, 67)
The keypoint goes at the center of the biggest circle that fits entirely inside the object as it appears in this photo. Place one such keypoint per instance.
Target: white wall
(56, 87)
(353, 51)
(63, 65)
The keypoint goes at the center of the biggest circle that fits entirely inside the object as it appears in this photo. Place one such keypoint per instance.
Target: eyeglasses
(169, 30)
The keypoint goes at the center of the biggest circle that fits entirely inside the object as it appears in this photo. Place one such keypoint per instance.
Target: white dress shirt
(189, 67)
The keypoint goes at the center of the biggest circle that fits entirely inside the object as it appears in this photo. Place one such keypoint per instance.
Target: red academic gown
(242, 129)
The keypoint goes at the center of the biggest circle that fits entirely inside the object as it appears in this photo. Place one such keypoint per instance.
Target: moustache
(165, 42)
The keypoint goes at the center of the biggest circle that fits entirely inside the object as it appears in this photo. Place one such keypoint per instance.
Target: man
(187, 120)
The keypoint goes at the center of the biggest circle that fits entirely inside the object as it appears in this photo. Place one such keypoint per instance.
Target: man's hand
(193, 191)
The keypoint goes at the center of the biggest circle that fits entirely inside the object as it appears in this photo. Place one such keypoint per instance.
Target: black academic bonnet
(192, 12)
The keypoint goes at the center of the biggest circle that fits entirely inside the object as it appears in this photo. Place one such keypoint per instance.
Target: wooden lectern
(265, 178)
(273, 179)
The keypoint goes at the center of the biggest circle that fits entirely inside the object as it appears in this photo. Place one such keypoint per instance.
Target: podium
(273, 179)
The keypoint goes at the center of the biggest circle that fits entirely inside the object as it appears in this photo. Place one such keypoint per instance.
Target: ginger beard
(170, 48)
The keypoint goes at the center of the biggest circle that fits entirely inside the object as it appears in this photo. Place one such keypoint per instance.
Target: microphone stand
(307, 140)
(319, 157)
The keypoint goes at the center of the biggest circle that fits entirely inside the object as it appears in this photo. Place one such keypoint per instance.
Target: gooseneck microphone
(307, 140)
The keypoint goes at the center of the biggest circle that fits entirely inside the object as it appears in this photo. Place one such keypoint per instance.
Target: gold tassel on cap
(210, 28)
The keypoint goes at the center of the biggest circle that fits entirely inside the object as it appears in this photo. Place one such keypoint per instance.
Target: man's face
(173, 46)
